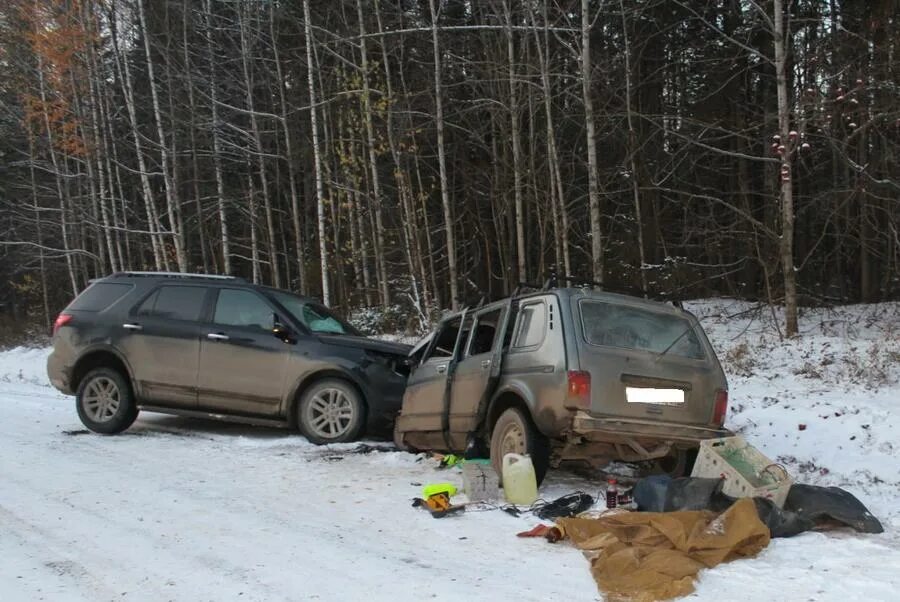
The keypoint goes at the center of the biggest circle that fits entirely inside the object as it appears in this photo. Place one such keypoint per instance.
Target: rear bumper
(60, 376)
(614, 429)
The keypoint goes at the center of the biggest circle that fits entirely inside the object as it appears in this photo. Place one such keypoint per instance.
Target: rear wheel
(331, 411)
(104, 401)
(515, 433)
(679, 463)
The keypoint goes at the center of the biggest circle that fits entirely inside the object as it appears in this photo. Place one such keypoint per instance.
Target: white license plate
(651, 395)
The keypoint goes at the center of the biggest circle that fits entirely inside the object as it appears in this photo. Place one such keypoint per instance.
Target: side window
(532, 322)
(99, 296)
(446, 339)
(174, 303)
(485, 332)
(146, 308)
(243, 308)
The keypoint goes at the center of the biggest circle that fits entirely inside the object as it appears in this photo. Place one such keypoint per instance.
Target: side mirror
(283, 332)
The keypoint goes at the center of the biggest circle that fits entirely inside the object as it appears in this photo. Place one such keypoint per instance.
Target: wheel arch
(502, 402)
(102, 357)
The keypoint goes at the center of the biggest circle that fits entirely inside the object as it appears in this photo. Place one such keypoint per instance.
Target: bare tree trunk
(192, 128)
(364, 248)
(171, 193)
(384, 291)
(288, 150)
(254, 239)
(593, 176)
(632, 153)
(403, 188)
(99, 150)
(516, 146)
(57, 176)
(37, 224)
(787, 198)
(442, 160)
(159, 257)
(260, 160)
(217, 144)
(320, 194)
(557, 197)
(110, 156)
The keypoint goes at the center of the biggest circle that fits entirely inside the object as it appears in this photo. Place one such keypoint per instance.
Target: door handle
(441, 368)
(485, 364)
(132, 326)
(214, 336)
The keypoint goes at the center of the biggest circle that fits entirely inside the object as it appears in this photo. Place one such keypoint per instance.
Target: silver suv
(566, 374)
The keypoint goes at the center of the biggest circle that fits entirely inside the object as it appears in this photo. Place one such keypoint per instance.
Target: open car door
(421, 423)
(477, 373)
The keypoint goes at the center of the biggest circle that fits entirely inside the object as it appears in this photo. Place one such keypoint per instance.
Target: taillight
(61, 320)
(579, 392)
(720, 408)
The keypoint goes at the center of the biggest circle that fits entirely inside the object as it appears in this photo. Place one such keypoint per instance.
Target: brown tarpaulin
(648, 556)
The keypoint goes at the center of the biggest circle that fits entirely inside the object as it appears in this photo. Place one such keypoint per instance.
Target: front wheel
(515, 433)
(331, 411)
(105, 402)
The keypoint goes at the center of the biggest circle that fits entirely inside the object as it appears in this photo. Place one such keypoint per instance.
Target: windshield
(633, 328)
(317, 318)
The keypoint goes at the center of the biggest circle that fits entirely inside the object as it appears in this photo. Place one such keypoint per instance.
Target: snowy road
(179, 509)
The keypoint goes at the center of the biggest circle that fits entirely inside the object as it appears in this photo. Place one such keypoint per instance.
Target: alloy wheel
(330, 413)
(101, 399)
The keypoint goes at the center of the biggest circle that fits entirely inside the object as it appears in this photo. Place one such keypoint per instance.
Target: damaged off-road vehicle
(566, 374)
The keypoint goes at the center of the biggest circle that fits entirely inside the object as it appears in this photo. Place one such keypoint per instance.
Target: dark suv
(220, 347)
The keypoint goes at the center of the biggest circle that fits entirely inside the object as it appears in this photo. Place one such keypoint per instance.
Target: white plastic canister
(519, 481)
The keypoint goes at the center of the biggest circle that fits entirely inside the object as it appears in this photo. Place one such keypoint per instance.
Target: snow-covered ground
(182, 509)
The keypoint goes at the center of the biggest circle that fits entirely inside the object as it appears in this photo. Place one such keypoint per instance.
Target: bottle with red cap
(612, 493)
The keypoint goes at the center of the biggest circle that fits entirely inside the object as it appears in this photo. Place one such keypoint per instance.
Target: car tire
(105, 402)
(331, 411)
(515, 432)
(680, 463)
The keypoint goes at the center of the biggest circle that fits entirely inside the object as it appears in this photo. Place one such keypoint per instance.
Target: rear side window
(99, 296)
(174, 303)
(532, 320)
(243, 308)
(633, 328)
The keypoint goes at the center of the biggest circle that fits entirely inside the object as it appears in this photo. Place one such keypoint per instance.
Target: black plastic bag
(806, 507)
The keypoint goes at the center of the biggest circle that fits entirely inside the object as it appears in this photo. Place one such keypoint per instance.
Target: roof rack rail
(179, 275)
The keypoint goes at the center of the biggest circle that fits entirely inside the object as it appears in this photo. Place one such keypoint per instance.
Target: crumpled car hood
(386, 347)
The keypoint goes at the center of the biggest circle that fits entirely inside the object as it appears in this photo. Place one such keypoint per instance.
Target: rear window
(532, 319)
(632, 328)
(174, 303)
(99, 296)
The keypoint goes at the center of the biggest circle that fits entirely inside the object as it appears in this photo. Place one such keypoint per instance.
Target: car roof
(579, 292)
(209, 279)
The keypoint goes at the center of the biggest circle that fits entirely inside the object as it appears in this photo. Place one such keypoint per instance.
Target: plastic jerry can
(519, 481)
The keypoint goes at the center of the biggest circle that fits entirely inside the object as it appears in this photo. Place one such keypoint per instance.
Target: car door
(475, 372)
(242, 362)
(161, 339)
(420, 421)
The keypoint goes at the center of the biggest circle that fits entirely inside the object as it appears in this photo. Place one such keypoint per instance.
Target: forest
(412, 156)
